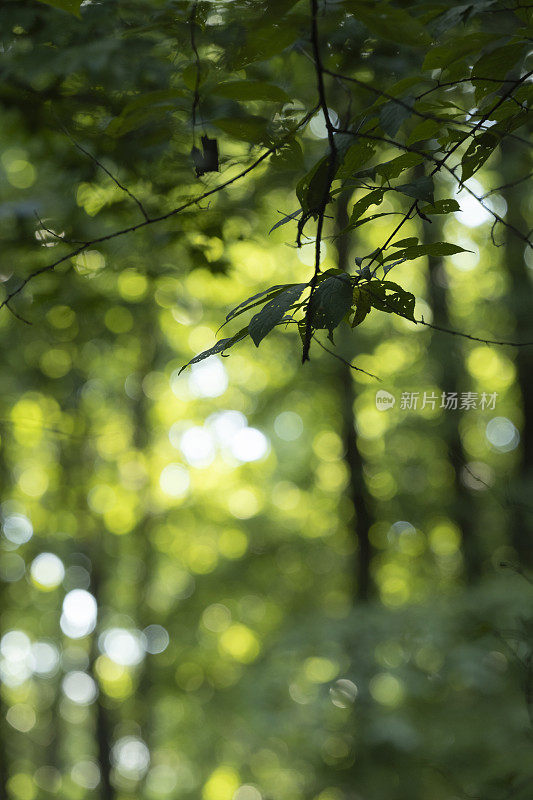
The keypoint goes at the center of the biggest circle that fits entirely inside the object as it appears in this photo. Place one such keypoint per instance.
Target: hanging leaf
(392, 115)
(273, 312)
(391, 169)
(436, 249)
(288, 156)
(363, 306)
(310, 190)
(441, 207)
(480, 149)
(442, 56)
(219, 347)
(373, 198)
(257, 299)
(356, 157)
(284, 220)
(496, 64)
(420, 188)
(390, 22)
(331, 301)
(205, 160)
(389, 297)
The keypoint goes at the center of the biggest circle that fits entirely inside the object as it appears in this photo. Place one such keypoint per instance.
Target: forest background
(250, 579)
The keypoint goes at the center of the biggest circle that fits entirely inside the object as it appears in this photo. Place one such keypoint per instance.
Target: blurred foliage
(247, 580)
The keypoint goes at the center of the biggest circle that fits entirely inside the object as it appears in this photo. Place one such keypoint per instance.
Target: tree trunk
(516, 159)
(357, 491)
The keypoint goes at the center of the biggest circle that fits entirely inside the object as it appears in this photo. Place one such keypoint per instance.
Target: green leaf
(441, 56)
(426, 129)
(441, 207)
(389, 297)
(480, 149)
(420, 188)
(310, 190)
(72, 6)
(262, 43)
(394, 167)
(251, 90)
(285, 219)
(390, 22)
(375, 197)
(257, 299)
(435, 249)
(363, 306)
(149, 107)
(356, 157)
(392, 115)
(288, 156)
(331, 301)
(248, 129)
(273, 312)
(495, 64)
(219, 347)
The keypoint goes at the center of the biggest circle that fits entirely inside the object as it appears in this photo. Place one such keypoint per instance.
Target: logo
(384, 400)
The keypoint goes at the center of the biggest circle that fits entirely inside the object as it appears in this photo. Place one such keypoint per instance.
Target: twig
(154, 220)
(412, 110)
(332, 164)
(15, 314)
(107, 172)
(344, 361)
(501, 343)
(54, 234)
(196, 97)
(451, 170)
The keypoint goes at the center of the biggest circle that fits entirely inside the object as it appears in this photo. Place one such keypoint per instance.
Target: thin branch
(504, 186)
(54, 234)
(451, 170)
(107, 172)
(421, 114)
(154, 220)
(332, 164)
(196, 97)
(501, 343)
(449, 84)
(344, 361)
(15, 314)
(422, 321)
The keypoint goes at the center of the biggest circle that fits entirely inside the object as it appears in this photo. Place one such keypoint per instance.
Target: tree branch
(332, 164)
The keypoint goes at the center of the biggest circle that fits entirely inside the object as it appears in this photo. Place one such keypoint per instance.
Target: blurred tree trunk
(448, 358)
(357, 491)
(517, 164)
(4, 604)
(103, 725)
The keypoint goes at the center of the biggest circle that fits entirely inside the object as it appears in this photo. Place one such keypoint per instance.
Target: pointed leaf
(375, 197)
(219, 347)
(441, 207)
(256, 299)
(273, 312)
(331, 301)
(362, 306)
(420, 188)
(284, 220)
(393, 114)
